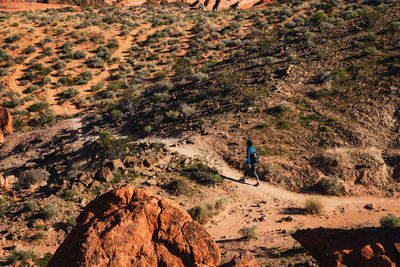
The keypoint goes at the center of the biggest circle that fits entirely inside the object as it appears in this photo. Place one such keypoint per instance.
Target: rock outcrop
(133, 227)
(245, 259)
(6, 125)
(368, 247)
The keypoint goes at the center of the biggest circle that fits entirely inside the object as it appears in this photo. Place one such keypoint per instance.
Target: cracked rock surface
(133, 227)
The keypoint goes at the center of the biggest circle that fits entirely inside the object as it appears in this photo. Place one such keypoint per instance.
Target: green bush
(38, 106)
(330, 186)
(249, 232)
(203, 174)
(181, 186)
(70, 93)
(32, 176)
(390, 221)
(314, 206)
(95, 62)
(47, 117)
(202, 213)
(31, 205)
(20, 255)
(49, 211)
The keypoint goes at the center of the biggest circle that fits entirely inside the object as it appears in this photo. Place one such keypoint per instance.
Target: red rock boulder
(133, 227)
(367, 247)
(6, 125)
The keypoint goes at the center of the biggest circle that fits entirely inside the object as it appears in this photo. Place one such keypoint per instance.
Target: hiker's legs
(254, 169)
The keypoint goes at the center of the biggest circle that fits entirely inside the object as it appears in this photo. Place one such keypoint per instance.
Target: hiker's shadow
(234, 180)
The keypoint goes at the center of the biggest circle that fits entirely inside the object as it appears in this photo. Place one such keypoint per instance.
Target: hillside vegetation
(314, 84)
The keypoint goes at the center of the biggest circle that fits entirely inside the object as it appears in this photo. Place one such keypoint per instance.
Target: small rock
(94, 185)
(369, 206)
(151, 182)
(104, 174)
(115, 164)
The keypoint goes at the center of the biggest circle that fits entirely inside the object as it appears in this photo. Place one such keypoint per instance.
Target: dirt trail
(266, 205)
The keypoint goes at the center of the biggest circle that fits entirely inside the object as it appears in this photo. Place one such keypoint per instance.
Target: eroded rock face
(5, 123)
(133, 227)
(368, 247)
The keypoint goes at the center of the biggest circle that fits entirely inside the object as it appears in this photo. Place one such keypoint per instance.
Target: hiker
(252, 160)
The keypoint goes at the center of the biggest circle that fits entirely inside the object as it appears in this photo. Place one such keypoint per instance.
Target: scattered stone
(245, 259)
(85, 179)
(369, 207)
(151, 182)
(104, 175)
(95, 185)
(115, 164)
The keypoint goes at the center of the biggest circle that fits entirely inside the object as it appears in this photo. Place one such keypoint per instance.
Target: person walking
(252, 160)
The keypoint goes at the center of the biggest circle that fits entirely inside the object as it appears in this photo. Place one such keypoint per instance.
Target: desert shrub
(97, 86)
(329, 186)
(103, 52)
(70, 93)
(49, 211)
(71, 222)
(69, 195)
(249, 232)
(67, 47)
(43, 261)
(29, 50)
(187, 110)
(203, 174)
(105, 94)
(95, 62)
(181, 186)
(394, 27)
(44, 81)
(13, 38)
(97, 39)
(202, 213)
(390, 221)
(18, 254)
(199, 77)
(31, 205)
(38, 106)
(32, 176)
(113, 147)
(271, 60)
(4, 72)
(47, 117)
(79, 54)
(81, 40)
(12, 102)
(371, 50)
(172, 115)
(60, 65)
(82, 78)
(314, 206)
(319, 17)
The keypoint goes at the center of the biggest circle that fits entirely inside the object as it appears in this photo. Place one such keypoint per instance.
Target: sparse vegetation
(249, 232)
(314, 206)
(390, 221)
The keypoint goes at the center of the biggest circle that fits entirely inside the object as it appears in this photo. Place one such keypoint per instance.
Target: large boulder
(6, 125)
(133, 227)
(367, 247)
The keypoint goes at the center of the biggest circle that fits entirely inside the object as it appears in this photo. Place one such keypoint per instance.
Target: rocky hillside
(164, 98)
